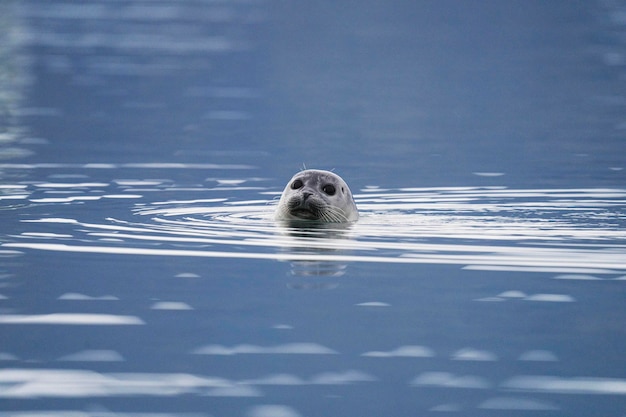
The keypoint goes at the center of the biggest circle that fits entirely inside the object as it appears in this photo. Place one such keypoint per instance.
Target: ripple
(564, 385)
(552, 298)
(171, 305)
(69, 383)
(234, 391)
(373, 304)
(83, 297)
(469, 354)
(538, 356)
(512, 403)
(272, 410)
(449, 380)
(70, 319)
(410, 351)
(93, 355)
(574, 233)
(286, 349)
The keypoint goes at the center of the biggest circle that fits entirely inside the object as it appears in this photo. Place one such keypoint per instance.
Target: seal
(319, 196)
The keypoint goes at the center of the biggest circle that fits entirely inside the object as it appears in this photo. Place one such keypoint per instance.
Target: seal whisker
(335, 214)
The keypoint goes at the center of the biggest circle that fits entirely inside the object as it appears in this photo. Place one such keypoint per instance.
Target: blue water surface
(144, 145)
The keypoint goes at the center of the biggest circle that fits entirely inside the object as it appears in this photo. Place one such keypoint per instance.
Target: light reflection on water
(575, 231)
(574, 234)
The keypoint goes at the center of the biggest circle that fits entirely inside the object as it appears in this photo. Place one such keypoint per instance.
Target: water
(143, 149)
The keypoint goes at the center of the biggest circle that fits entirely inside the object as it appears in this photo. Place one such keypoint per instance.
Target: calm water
(144, 145)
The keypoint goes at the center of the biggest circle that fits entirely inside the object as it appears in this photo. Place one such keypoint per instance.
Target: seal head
(319, 196)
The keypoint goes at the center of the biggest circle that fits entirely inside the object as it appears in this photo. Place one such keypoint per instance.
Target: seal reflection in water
(316, 250)
(318, 196)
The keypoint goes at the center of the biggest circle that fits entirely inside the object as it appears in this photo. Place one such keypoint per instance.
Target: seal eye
(329, 189)
(296, 184)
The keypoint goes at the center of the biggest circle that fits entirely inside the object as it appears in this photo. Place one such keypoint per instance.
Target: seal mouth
(304, 207)
(304, 213)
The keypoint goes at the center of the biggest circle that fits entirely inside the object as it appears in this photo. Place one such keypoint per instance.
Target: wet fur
(310, 203)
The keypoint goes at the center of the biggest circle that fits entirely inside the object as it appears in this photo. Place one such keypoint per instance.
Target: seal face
(315, 195)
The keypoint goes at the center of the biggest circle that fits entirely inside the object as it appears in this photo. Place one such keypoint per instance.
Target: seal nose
(306, 195)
